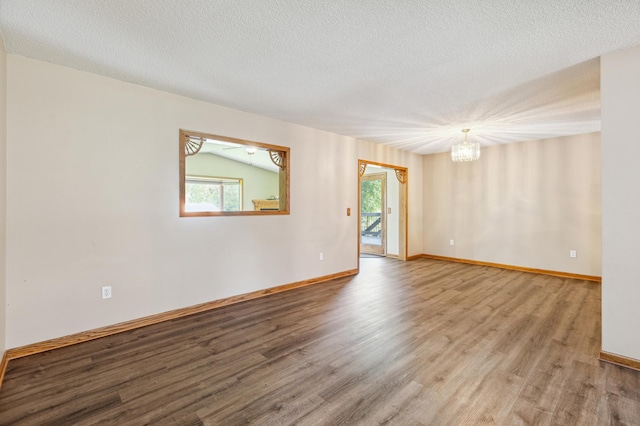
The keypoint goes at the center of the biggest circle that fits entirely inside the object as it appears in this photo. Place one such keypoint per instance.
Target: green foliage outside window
(204, 194)
(371, 194)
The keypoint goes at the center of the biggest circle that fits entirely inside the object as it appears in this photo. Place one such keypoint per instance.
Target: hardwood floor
(402, 343)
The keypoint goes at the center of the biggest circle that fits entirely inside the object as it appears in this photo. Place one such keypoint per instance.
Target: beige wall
(3, 194)
(93, 200)
(92, 174)
(525, 204)
(620, 85)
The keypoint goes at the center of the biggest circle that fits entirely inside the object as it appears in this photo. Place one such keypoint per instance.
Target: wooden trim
(234, 140)
(109, 330)
(415, 256)
(403, 214)
(403, 207)
(359, 192)
(283, 176)
(401, 175)
(620, 360)
(182, 172)
(403, 240)
(384, 165)
(513, 268)
(369, 248)
(3, 366)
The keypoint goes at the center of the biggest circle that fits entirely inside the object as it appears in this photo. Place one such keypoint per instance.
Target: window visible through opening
(213, 194)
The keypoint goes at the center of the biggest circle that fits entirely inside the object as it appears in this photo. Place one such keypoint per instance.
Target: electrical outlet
(572, 253)
(106, 292)
(321, 256)
(451, 242)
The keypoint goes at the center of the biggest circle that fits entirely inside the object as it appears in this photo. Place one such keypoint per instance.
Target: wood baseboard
(619, 360)
(513, 268)
(109, 330)
(3, 367)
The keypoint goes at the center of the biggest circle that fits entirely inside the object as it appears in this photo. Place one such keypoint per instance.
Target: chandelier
(465, 151)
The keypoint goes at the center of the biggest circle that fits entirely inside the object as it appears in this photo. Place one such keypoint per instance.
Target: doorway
(391, 211)
(373, 217)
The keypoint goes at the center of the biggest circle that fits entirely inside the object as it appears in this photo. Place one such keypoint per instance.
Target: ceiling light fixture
(465, 151)
(251, 151)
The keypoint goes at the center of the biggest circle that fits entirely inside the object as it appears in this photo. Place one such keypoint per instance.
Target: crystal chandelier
(465, 151)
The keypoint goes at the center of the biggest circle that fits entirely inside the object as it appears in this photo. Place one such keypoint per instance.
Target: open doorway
(373, 214)
(382, 209)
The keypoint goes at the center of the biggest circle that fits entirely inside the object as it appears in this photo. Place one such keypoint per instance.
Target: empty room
(319, 213)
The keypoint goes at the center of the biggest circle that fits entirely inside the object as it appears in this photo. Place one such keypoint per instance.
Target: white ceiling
(259, 157)
(407, 73)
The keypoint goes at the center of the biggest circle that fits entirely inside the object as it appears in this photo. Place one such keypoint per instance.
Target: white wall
(93, 200)
(3, 194)
(525, 204)
(620, 87)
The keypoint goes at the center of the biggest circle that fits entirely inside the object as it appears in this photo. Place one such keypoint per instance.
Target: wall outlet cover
(106, 292)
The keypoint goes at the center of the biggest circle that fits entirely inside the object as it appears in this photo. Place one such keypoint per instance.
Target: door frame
(402, 174)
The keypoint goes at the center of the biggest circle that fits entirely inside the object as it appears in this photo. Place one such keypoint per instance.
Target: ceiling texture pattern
(407, 73)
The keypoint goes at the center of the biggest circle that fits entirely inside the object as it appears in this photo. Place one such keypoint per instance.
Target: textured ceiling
(408, 73)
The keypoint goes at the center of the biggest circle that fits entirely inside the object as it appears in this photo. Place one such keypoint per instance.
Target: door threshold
(365, 255)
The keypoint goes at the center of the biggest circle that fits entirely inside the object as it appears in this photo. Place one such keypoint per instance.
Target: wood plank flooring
(425, 342)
